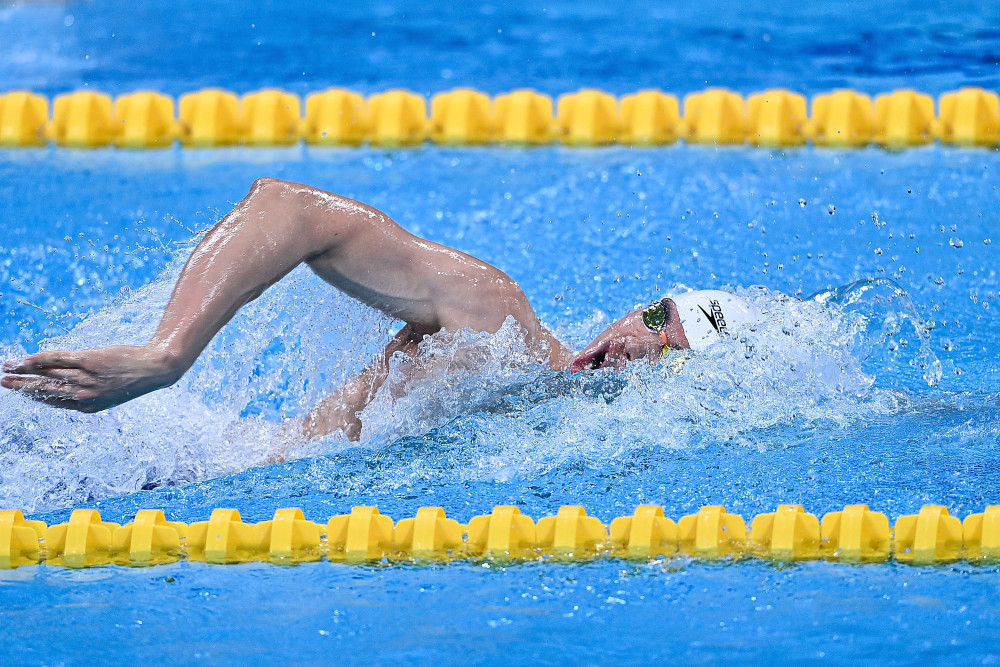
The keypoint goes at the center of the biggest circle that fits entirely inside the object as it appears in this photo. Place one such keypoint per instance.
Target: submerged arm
(339, 411)
(275, 228)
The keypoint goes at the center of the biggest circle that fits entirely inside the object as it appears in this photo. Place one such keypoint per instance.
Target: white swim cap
(708, 314)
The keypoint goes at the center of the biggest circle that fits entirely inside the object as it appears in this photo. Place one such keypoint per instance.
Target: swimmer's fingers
(34, 385)
(88, 380)
(38, 364)
(70, 375)
(46, 371)
(58, 393)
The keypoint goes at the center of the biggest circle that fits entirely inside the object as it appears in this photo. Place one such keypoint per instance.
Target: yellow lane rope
(853, 534)
(774, 118)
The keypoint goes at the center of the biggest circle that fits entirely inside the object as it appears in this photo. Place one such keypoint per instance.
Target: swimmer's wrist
(166, 365)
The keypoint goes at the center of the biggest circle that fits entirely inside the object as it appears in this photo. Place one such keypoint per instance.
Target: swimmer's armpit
(90, 380)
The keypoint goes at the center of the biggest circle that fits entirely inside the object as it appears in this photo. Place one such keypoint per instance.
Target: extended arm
(275, 228)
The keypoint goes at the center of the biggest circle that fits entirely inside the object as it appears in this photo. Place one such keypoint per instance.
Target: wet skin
(358, 250)
(629, 339)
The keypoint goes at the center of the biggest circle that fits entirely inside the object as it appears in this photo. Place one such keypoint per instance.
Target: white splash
(276, 358)
(812, 363)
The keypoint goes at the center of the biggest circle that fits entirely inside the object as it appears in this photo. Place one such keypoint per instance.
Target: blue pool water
(882, 391)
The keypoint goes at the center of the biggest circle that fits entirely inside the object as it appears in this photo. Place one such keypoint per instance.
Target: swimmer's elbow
(267, 192)
(291, 209)
(266, 183)
(311, 220)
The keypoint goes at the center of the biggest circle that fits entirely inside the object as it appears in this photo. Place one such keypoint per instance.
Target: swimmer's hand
(91, 380)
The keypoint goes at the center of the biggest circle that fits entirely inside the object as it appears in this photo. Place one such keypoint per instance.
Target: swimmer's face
(629, 339)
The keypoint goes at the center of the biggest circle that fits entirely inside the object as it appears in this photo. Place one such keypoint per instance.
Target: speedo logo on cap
(717, 319)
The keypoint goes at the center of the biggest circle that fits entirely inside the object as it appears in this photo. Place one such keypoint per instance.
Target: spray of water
(811, 363)
(799, 369)
(276, 358)
(890, 335)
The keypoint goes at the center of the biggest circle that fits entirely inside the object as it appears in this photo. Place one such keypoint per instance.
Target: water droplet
(831, 209)
(802, 203)
(947, 345)
(956, 242)
(939, 281)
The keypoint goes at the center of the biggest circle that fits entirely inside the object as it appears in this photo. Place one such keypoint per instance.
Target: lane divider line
(775, 118)
(855, 534)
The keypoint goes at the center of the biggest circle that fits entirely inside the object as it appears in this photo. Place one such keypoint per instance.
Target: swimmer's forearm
(276, 227)
(355, 248)
(270, 232)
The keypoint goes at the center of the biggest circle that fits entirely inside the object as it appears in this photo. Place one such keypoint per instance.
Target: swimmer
(362, 252)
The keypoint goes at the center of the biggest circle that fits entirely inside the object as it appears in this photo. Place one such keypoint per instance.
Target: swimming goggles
(656, 316)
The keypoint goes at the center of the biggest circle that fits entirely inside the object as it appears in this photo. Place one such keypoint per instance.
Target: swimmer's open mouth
(590, 361)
